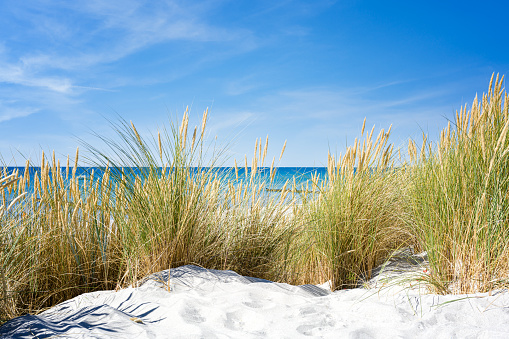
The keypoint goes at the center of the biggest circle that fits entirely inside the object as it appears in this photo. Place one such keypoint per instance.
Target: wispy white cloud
(241, 85)
(23, 101)
(231, 122)
(13, 74)
(75, 43)
(9, 113)
(326, 114)
(329, 102)
(95, 88)
(314, 120)
(120, 28)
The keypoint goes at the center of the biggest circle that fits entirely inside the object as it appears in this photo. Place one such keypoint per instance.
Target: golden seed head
(204, 121)
(136, 133)
(282, 151)
(194, 137)
(265, 149)
(160, 145)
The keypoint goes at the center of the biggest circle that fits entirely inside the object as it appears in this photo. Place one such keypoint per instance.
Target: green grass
(459, 208)
(355, 224)
(75, 236)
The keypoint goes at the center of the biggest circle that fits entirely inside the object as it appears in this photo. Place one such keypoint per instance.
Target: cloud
(94, 88)
(328, 113)
(9, 113)
(324, 103)
(242, 85)
(71, 44)
(70, 39)
(22, 101)
(116, 29)
(17, 75)
(231, 121)
(315, 119)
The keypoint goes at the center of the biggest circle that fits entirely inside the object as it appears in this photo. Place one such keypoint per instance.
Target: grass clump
(459, 197)
(164, 201)
(355, 223)
(171, 209)
(56, 240)
(10, 260)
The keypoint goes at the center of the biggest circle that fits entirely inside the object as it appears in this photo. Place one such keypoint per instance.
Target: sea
(298, 176)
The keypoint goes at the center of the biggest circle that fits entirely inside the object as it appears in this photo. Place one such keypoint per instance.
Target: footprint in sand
(257, 300)
(191, 315)
(318, 325)
(362, 334)
(253, 304)
(233, 321)
(307, 310)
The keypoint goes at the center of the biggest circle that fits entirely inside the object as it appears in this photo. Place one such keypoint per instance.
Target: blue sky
(303, 71)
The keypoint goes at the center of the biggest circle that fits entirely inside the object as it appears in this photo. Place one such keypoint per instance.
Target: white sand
(222, 304)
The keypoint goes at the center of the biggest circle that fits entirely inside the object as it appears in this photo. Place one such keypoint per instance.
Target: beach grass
(355, 223)
(459, 209)
(159, 204)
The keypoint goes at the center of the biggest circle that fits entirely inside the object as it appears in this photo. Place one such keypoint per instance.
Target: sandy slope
(222, 304)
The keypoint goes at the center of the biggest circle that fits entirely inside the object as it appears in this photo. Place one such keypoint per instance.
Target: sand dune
(222, 304)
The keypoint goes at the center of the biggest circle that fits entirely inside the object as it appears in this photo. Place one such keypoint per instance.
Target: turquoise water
(302, 175)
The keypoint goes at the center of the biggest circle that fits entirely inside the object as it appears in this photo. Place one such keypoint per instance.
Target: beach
(254, 169)
(202, 303)
(383, 247)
